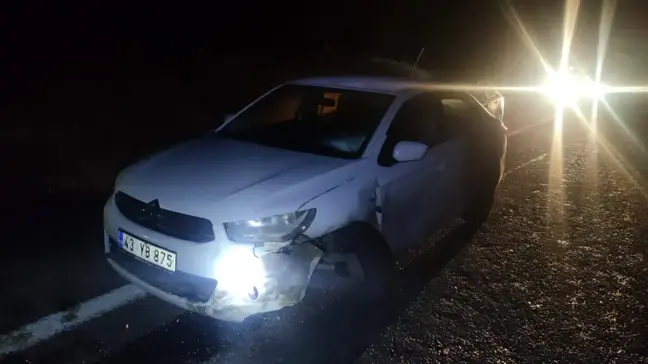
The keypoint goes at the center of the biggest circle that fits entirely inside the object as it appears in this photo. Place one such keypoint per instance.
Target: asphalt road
(558, 274)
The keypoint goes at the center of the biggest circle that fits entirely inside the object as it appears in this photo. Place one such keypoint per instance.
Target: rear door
(484, 135)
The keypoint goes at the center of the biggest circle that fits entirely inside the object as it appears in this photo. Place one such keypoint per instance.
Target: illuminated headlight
(240, 272)
(277, 228)
(563, 87)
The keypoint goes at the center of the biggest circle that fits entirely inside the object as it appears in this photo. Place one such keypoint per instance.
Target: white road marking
(53, 324)
(517, 131)
(536, 159)
(512, 133)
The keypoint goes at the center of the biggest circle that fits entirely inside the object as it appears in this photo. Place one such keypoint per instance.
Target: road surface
(559, 273)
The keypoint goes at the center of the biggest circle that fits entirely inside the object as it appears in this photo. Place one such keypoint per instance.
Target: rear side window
(455, 107)
(492, 101)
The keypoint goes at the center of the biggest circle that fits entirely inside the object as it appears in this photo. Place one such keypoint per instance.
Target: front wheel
(370, 249)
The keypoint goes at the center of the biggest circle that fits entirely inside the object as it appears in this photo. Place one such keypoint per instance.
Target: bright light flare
(564, 88)
(240, 272)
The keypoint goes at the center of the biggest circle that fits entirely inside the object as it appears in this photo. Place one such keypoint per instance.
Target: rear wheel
(483, 195)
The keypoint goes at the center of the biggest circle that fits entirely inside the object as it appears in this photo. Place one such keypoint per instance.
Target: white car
(234, 223)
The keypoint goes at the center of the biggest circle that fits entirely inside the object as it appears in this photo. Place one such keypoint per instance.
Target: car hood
(221, 173)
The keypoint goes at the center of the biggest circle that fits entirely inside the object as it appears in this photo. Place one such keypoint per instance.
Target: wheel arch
(335, 239)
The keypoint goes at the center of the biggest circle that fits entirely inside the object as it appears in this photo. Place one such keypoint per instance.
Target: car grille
(189, 286)
(181, 226)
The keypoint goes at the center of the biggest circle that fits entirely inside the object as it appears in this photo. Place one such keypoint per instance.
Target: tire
(372, 252)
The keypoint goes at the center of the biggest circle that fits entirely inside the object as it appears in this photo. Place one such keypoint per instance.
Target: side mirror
(406, 151)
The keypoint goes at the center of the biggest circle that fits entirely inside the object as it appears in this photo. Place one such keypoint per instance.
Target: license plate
(148, 252)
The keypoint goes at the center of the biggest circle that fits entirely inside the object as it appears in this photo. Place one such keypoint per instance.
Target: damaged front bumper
(274, 281)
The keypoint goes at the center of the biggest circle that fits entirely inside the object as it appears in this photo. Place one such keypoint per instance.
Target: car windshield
(317, 120)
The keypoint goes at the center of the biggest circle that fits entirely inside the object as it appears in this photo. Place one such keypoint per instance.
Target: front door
(417, 197)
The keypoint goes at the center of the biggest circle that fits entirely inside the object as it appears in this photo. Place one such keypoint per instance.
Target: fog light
(240, 273)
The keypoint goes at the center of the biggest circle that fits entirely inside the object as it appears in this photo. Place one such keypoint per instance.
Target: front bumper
(285, 285)
(224, 295)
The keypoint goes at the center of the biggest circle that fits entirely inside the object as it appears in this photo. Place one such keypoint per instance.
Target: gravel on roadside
(559, 274)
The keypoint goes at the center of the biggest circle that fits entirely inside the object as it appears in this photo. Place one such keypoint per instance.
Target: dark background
(90, 87)
(87, 88)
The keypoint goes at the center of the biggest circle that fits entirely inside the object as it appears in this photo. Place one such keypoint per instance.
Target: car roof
(365, 83)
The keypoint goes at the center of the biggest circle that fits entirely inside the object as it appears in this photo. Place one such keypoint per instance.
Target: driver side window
(419, 119)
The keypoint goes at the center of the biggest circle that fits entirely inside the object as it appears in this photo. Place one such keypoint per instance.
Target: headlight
(566, 88)
(240, 272)
(277, 228)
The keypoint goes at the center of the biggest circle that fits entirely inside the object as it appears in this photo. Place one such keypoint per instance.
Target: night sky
(394, 29)
(452, 31)
(50, 45)
(48, 40)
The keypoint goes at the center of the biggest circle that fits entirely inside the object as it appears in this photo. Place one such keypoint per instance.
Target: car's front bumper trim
(288, 278)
